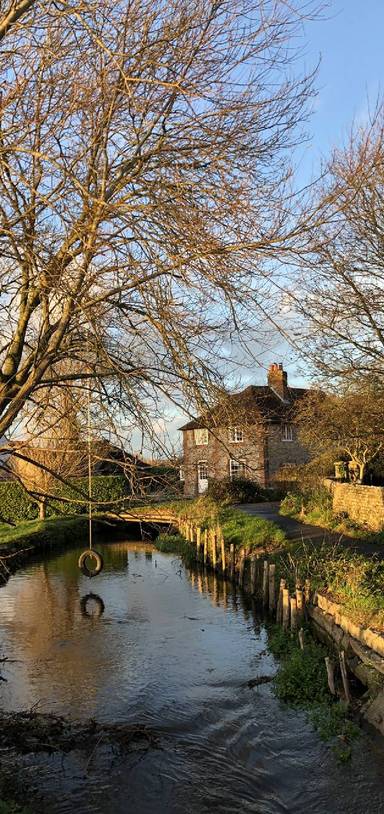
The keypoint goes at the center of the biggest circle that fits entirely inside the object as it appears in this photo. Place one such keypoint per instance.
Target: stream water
(173, 650)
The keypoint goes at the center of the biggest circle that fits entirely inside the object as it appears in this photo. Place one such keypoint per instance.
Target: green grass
(238, 528)
(301, 682)
(352, 579)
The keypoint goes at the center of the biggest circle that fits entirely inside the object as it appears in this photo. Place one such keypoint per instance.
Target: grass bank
(243, 530)
(301, 682)
(353, 580)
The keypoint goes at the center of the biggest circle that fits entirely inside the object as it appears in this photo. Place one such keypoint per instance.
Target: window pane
(236, 434)
(201, 437)
(202, 469)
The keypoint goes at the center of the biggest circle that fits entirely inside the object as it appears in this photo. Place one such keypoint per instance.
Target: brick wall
(364, 504)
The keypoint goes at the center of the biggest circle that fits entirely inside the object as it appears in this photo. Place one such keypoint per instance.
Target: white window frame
(286, 432)
(205, 464)
(201, 437)
(237, 468)
(236, 435)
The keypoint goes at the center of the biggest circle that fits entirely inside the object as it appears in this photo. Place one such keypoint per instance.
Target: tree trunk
(42, 510)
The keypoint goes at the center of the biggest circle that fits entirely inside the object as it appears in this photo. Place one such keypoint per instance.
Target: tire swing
(90, 554)
(84, 563)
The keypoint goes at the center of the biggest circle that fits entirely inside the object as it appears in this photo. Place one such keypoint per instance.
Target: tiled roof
(248, 406)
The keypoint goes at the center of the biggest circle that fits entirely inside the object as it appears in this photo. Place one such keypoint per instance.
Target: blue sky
(349, 39)
(350, 42)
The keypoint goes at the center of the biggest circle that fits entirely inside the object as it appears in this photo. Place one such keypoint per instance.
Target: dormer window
(201, 437)
(286, 432)
(236, 435)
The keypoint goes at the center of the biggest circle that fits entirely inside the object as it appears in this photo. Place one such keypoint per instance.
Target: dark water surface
(174, 651)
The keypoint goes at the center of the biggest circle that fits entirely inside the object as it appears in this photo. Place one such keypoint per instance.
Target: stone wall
(363, 649)
(218, 453)
(364, 504)
(280, 452)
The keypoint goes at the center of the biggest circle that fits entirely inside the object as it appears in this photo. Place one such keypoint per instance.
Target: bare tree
(340, 295)
(348, 424)
(144, 186)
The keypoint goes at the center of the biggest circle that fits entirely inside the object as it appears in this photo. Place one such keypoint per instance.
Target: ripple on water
(174, 651)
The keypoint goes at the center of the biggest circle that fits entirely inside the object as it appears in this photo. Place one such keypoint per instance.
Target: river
(173, 650)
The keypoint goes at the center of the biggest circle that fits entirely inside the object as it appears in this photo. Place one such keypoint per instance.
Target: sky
(349, 41)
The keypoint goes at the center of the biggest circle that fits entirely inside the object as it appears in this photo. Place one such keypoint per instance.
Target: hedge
(108, 492)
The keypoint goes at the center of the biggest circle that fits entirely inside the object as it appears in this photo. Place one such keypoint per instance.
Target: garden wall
(364, 504)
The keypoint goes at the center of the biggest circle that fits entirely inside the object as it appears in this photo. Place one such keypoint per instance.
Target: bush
(292, 504)
(236, 490)
(109, 492)
(15, 503)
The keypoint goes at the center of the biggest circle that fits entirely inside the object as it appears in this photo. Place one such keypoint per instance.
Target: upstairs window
(237, 469)
(201, 437)
(286, 432)
(236, 435)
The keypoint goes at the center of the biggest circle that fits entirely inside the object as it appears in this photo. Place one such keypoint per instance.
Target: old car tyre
(97, 601)
(84, 559)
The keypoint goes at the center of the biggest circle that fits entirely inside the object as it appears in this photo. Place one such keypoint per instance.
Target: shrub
(15, 503)
(236, 490)
(292, 504)
(108, 492)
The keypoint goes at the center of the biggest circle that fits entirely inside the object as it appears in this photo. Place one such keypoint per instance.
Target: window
(202, 470)
(236, 435)
(201, 437)
(286, 432)
(182, 474)
(237, 469)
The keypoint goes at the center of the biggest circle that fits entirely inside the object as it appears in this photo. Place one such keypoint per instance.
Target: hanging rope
(87, 556)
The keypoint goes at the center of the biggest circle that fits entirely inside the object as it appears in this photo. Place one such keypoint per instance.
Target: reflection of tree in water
(49, 626)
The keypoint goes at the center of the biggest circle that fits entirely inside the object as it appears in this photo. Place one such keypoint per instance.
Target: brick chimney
(278, 381)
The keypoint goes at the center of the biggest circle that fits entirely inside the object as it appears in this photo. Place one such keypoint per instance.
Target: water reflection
(92, 606)
(172, 649)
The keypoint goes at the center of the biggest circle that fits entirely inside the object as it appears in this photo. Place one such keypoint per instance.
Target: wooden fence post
(265, 583)
(198, 543)
(344, 676)
(300, 605)
(301, 638)
(222, 546)
(330, 675)
(279, 611)
(241, 567)
(271, 586)
(293, 613)
(253, 574)
(205, 546)
(285, 608)
(232, 560)
(213, 548)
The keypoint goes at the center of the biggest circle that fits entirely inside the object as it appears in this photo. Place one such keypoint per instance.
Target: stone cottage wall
(364, 504)
(218, 452)
(280, 453)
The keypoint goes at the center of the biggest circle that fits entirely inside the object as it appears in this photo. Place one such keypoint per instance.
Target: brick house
(252, 434)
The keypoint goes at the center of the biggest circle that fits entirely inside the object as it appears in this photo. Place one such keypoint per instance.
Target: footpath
(304, 532)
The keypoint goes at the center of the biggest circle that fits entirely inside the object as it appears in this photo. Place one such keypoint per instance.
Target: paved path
(301, 531)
